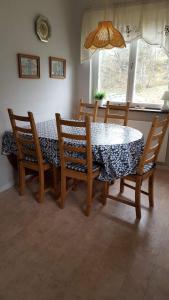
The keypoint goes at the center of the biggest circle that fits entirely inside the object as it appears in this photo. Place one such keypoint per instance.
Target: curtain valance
(147, 21)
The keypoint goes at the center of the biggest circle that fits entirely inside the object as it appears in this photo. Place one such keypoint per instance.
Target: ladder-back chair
(76, 156)
(88, 109)
(117, 112)
(29, 154)
(146, 167)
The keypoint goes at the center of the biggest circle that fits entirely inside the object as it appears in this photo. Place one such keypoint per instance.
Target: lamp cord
(106, 10)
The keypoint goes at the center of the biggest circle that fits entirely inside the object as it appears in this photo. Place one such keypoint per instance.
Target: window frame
(94, 77)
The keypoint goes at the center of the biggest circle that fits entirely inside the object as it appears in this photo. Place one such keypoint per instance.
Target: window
(139, 73)
(152, 74)
(113, 73)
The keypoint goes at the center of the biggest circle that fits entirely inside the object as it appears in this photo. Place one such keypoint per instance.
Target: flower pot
(101, 102)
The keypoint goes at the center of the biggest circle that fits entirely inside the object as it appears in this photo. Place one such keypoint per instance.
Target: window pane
(113, 73)
(152, 74)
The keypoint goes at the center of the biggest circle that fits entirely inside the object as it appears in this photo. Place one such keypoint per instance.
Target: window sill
(151, 110)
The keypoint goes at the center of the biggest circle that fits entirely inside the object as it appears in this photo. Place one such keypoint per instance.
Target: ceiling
(103, 3)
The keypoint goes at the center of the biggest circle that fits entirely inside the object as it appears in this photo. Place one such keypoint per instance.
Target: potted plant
(100, 96)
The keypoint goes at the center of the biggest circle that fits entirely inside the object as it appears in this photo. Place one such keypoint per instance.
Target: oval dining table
(117, 149)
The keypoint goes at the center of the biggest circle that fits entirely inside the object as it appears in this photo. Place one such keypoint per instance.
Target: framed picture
(28, 66)
(57, 67)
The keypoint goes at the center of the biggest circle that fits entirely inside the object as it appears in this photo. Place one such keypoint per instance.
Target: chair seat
(147, 168)
(82, 168)
(32, 159)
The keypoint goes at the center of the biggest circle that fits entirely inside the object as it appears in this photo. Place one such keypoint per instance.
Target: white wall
(42, 96)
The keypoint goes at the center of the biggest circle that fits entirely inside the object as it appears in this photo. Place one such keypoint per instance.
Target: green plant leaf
(99, 95)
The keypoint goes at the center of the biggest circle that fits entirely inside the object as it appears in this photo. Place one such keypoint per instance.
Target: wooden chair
(146, 167)
(120, 112)
(29, 154)
(87, 109)
(76, 159)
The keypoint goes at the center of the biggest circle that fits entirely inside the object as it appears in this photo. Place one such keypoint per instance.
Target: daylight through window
(138, 73)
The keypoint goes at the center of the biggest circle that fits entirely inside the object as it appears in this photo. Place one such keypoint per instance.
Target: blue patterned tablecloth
(116, 148)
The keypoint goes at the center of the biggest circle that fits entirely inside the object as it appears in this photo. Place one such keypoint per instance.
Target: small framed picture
(57, 67)
(28, 66)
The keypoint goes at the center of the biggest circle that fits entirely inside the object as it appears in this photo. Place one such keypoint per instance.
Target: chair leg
(63, 191)
(89, 197)
(112, 182)
(74, 187)
(56, 180)
(137, 198)
(151, 190)
(21, 179)
(41, 186)
(105, 192)
(121, 185)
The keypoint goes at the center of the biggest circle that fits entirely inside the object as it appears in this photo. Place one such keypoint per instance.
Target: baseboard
(162, 167)
(6, 186)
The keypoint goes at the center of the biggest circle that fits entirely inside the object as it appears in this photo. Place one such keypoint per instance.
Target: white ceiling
(102, 3)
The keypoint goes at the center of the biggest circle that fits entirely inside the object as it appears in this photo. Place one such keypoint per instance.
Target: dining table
(117, 149)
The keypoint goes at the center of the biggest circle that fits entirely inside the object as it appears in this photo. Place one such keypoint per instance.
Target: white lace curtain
(147, 21)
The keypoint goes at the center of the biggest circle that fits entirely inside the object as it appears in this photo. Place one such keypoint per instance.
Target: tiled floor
(52, 254)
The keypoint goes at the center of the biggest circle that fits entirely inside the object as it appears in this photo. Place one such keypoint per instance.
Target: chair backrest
(153, 143)
(26, 137)
(88, 109)
(75, 142)
(117, 111)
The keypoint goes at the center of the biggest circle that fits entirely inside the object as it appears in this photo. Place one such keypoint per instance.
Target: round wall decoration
(42, 28)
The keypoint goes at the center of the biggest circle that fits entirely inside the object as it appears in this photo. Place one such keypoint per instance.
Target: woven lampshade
(104, 36)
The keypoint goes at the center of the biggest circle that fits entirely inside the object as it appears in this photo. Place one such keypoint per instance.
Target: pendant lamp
(104, 36)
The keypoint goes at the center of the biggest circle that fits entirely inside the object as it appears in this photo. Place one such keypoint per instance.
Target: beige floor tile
(49, 254)
(158, 287)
